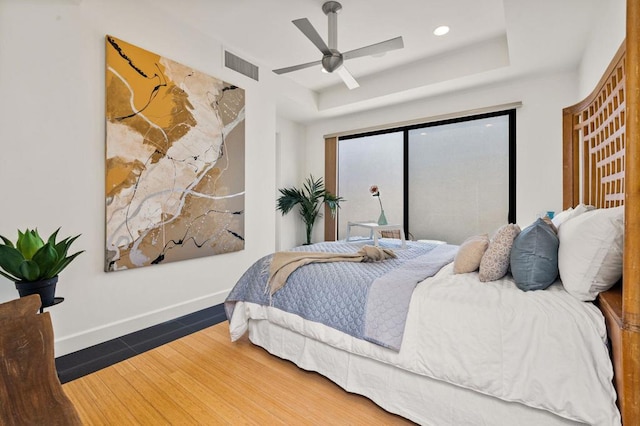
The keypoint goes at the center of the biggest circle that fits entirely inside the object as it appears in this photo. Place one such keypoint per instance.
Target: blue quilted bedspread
(368, 301)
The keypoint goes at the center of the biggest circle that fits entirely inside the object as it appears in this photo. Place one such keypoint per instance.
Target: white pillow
(561, 217)
(570, 213)
(590, 253)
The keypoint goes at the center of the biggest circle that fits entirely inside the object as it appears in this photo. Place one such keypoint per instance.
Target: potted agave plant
(309, 198)
(34, 265)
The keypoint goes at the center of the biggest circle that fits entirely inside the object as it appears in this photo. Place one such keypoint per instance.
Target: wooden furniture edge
(331, 185)
(610, 303)
(30, 390)
(20, 307)
(630, 339)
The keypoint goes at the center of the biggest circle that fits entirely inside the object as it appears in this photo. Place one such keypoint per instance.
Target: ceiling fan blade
(307, 29)
(375, 49)
(296, 67)
(348, 79)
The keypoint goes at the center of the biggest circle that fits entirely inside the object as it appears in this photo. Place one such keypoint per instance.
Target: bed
(488, 353)
(497, 344)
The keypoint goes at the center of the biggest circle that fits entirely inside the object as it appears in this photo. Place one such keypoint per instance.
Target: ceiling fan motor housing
(332, 62)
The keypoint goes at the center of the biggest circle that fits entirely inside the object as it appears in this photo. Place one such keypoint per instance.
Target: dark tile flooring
(94, 358)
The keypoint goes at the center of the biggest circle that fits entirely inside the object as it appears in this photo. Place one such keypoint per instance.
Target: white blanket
(544, 349)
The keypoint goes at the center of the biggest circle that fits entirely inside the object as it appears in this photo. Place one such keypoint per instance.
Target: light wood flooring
(204, 379)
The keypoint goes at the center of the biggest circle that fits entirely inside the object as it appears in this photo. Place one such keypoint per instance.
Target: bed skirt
(418, 398)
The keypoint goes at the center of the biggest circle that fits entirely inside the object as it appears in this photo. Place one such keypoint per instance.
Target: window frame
(331, 163)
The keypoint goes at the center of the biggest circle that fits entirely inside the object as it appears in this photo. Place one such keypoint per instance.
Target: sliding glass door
(458, 179)
(363, 162)
(445, 181)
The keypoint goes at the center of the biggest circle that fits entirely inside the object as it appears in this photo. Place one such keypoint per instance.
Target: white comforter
(544, 349)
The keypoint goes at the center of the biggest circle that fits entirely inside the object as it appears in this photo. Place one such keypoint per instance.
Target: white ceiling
(489, 40)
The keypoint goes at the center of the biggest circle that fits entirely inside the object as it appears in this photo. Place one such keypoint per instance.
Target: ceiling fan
(332, 60)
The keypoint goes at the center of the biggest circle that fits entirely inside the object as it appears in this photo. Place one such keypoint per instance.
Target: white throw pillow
(590, 253)
(570, 213)
(561, 217)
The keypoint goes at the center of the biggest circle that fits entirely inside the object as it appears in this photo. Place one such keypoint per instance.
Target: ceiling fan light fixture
(441, 30)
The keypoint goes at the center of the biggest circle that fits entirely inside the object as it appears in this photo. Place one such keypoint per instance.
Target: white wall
(607, 36)
(539, 132)
(52, 136)
(290, 231)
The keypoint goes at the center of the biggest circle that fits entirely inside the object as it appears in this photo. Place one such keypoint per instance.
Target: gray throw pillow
(534, 257)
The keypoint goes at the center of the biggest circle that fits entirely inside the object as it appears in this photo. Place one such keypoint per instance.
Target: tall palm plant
(310, 197)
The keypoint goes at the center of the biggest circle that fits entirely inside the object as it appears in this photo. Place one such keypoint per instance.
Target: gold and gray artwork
(174, 160)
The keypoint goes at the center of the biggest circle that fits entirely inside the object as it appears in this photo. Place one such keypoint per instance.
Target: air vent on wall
(238, 64)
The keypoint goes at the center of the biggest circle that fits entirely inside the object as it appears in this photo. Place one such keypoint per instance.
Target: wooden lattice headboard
(601, 154)
(594, 142)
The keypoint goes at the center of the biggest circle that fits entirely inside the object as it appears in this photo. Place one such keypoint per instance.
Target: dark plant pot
(45, 288)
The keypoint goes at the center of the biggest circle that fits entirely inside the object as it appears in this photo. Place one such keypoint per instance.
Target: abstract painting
(174, 160)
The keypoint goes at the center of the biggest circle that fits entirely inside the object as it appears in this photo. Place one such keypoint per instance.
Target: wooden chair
(30, 391)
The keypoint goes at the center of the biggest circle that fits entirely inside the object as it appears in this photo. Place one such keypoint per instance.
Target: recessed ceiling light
(441, 30)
